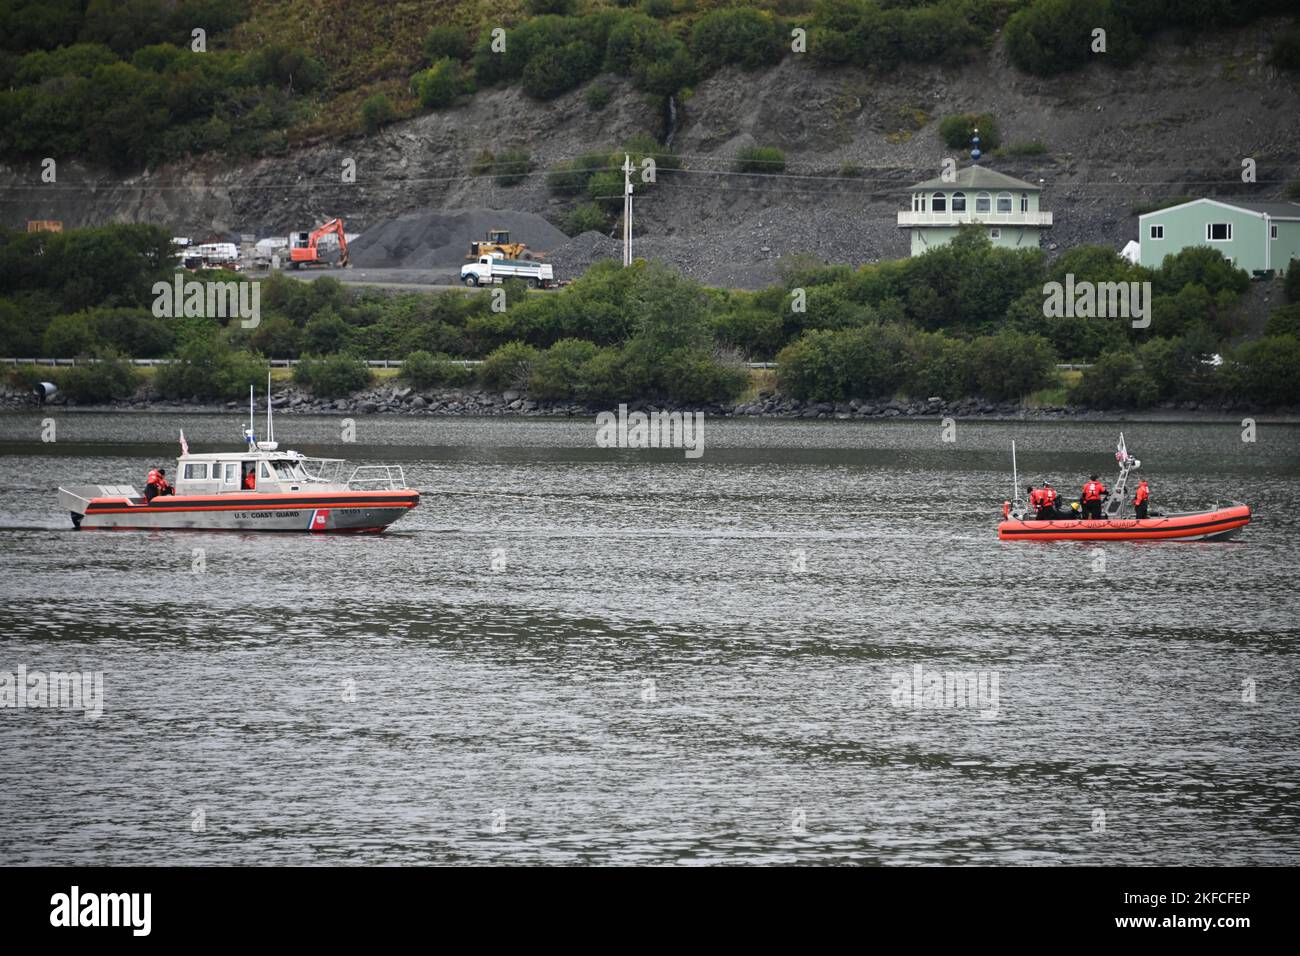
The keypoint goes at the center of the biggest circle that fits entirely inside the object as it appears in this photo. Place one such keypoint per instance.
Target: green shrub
(563, 8)
(557, 373)
(659, 9)
(99, 382)
(1115, 379)
(1284, 320)
(597, 97)
(956, 131)
(447, 41)
(510, 168)
(326, 333)
(209, 368)
(1292, 284)
(509, 366)
(439, 85)
(749, 38)
(695, 377)
(1266, 371)
(1031, 147)
(334, 376)
(1011, 364)
(570, 178)
(1055, 36)
(376, 112)
(760, 159)
(554, 71)
(131, 332)
(585, 217)
(482, 164)
(422, 370)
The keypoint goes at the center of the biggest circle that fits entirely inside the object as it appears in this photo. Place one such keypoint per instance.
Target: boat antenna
(249, 435)
(270, 430)
(1015, 476)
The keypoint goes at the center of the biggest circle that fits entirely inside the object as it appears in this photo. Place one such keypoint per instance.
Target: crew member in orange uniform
(1093, 492)
(1141, 499)
(156, 484)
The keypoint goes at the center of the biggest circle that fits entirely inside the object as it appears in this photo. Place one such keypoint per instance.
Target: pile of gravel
(577, 255)
(439, 239)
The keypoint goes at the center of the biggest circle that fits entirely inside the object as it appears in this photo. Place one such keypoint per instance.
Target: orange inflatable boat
(1215, 524)
(1118, 521)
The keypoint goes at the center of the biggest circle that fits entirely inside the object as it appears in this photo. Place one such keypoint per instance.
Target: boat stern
(77, 498)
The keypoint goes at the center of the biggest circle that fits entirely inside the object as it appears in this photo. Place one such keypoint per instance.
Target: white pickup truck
(491, 269)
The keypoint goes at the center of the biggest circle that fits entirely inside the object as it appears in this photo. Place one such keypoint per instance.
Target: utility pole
(627, 210)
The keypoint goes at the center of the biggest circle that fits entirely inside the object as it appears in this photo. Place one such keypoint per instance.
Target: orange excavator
(304, 247)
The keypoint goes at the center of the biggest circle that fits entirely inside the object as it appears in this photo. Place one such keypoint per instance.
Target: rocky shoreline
(468, 402)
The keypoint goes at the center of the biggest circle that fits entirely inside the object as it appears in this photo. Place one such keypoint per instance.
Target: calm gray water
(650, 678)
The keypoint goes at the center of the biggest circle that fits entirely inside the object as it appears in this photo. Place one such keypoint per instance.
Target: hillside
(1177, 121)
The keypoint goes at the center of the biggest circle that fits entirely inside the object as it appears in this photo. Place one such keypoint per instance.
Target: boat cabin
(274, 472)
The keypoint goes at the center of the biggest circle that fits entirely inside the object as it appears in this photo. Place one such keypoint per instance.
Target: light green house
(1006, 207)
(1255, 236)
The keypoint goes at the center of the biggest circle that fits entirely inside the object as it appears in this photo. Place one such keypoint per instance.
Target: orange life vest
(250, 481)
(1092, 491)
(1049, 497)
(1036, 498)
(1142, 494)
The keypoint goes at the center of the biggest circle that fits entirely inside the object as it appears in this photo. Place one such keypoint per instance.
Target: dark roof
(977, 177)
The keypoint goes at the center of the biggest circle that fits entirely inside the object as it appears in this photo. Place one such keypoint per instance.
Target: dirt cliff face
(1180, 121)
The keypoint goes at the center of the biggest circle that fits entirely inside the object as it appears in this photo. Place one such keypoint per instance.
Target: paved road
(416, 280)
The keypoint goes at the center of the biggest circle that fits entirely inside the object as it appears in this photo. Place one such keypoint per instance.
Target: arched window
(939, 202)
(982, 202)
(1004, 202)
(958, 202)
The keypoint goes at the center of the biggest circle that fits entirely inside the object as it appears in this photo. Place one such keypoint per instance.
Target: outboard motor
(44, 390)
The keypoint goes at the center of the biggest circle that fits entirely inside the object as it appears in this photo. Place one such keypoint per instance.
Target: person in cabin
(1141, 499)
(156, 484)
(250, 480)
(1093, 493)
(1047, 505)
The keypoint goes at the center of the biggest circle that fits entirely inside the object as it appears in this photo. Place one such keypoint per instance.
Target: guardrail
(290, 363)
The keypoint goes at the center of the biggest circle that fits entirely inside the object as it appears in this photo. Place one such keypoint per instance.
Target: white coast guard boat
(290, 492)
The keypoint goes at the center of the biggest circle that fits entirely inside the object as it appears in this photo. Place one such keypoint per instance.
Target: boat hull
(1216, 524)
(352, 512)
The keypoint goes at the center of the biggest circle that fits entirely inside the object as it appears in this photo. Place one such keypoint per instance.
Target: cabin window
(265, 472)
(983, 202)
(1024, 202)
(939, 203)
(1157, 232)
(1004, 202)
(958, 202)
(1218, 232)
(196, 471)
(232, 473)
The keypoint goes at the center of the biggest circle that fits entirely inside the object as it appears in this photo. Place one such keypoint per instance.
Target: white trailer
(493, 269)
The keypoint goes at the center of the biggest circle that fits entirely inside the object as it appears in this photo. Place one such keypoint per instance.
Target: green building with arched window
(1005, 207)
